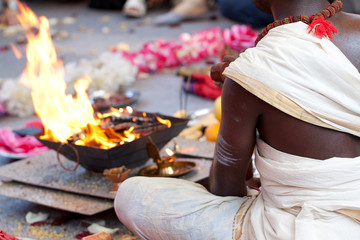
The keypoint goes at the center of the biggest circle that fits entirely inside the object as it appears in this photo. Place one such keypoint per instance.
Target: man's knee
(124, 196)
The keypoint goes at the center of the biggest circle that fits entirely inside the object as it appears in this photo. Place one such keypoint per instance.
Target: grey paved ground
(159, 92)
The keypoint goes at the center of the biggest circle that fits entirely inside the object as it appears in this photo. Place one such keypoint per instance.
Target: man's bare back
(296, 137)
(247, 114)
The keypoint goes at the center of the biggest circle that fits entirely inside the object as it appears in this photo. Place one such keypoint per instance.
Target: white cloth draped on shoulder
(302, 75)
(300, 197)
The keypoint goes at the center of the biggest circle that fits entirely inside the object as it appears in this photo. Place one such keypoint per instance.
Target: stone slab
(56, 199)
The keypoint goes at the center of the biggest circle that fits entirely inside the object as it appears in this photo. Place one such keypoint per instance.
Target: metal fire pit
(132, 154)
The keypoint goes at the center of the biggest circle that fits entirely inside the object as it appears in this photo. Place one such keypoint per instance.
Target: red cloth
(201, 84)
(5, 236)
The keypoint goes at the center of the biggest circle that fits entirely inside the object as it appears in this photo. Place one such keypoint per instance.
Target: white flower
(96, 228)
(16, 98)
(108, 72)
(35, 217)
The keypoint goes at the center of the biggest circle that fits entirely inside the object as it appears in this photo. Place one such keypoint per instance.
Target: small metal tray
(180, 168)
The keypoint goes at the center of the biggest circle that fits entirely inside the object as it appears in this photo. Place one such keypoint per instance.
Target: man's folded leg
(169, 208)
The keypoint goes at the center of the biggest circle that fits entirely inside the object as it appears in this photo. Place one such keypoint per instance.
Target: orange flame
(129, 136)
(116, 112)
(62, 115)
(16, 51)
(164, 121)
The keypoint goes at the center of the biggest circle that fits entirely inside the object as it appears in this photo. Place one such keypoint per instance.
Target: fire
(61, 114)
(16, 51)
(65, 117)
(169, 151)
(164, 121)
(116, 112)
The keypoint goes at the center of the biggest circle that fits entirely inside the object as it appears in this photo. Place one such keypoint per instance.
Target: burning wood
(135, 119)
(131, 154)
(118, 129)
(145, 130)
(69, 119)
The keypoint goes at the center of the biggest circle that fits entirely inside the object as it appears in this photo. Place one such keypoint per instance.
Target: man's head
(263, 5)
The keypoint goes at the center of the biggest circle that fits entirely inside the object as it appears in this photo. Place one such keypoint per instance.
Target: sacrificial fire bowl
(131, 154)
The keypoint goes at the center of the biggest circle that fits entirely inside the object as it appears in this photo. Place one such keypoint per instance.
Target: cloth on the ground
(167, 208)
(300, 197)
(304, 76)
(202, 85)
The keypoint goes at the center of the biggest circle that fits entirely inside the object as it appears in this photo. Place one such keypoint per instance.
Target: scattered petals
(4, 48)
(122, 46)
(158, 55)
(96, 228)
(82, 234)
(239, 37)
(41, 223)
(68, 20)
(128, 237)
(35, 217)
(105, 30)
(61, 35)
(124, 26)
(82, 28)
(99, 236)
(53, 21)
(61, 219)
(104, 19)
(88, 223)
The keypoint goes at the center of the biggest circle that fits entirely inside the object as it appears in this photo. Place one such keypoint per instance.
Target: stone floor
(159, 92)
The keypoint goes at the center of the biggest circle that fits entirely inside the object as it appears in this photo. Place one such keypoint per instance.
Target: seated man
(295, 98)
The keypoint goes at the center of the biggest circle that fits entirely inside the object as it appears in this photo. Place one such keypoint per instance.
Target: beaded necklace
(316, 22)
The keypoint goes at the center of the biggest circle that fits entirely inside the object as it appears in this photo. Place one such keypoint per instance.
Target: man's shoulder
(347, 39)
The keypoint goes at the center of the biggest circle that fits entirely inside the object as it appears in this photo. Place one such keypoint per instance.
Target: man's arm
(235, 142)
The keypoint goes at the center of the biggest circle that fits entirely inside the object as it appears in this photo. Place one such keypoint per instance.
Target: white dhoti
(300, 199)
(303, 198)
(167, 208)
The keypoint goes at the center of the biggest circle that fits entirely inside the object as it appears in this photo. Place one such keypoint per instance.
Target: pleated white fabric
(300, 197)
(302, 75)
(174, 209)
